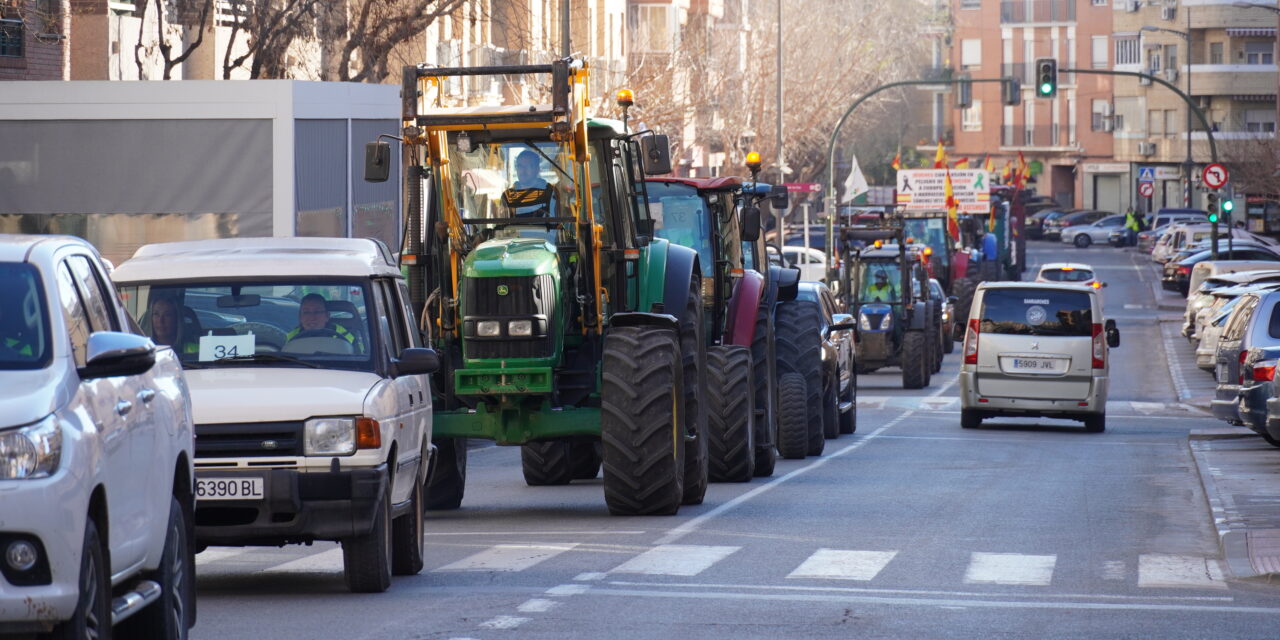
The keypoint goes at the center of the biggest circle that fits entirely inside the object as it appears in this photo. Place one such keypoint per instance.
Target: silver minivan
(1036, 349)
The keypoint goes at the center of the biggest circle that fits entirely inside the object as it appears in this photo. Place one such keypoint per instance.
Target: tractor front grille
(506, 298)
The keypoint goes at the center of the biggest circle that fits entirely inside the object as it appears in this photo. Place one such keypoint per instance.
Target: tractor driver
(528, 176)
(881, 290)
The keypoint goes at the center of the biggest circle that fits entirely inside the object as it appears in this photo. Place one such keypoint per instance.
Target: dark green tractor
(564, 326)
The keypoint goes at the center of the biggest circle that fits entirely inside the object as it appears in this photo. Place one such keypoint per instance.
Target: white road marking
(504, 622)
(567, 590)
(1148, 407)
(590, 576)
(675, 560)
(1160, 570)
(840, 564)
(324, 562)
(697, 522)
(509, 557)
(947, 593)
(216, 554)
(1009, 568)
(1114, 570)
(602, 532)
(1136, 306)
(537, 605)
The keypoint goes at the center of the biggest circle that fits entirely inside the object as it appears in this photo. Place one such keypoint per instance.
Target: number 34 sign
(215, 347)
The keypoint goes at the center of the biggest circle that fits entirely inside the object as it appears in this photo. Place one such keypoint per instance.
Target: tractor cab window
(680, 215)
(515, 179)
(928, 231)
(879, 282)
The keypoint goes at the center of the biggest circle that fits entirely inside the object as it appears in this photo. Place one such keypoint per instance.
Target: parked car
(811, 262)
(1211, 275)
(1083, 235)
(1054, 229)
(1069, 273)
(1210, 329)
(1173, 215)
(1036, 349)
(1253, 321)
(279, 462)
(1036, 222)
(1177, 275)
(839, 376)
(96, 454)
(1182, 234)
(948, 314)
(1257, 388)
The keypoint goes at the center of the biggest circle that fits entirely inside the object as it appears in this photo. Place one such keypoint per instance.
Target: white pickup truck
(310, 388)
(96, 454)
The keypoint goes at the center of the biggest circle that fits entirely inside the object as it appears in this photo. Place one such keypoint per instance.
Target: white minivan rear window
(1037, 312)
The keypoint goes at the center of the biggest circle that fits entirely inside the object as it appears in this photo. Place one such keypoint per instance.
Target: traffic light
(1046, 77)
(1211, 204)
(1012, 90)
(1228, 201)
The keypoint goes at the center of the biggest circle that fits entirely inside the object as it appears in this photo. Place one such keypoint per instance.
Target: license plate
(1034, 365)
(229, 488)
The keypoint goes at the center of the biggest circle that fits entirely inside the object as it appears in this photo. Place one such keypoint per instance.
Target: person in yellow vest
(313, 315)
(881, 290)
(1131, 227)
(166, 326)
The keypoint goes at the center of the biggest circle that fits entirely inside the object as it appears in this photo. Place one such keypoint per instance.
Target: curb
(1233, 545)
(1222, 433)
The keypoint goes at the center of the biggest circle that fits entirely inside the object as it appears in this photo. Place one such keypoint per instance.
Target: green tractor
(564, 326)
(720, 219)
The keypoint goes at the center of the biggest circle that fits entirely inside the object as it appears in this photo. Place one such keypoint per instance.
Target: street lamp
(1189, 164)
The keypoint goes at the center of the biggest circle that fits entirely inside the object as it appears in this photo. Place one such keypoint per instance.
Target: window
(1171, 56)
(1037, 312)
(78, 328)
(11, 29)
(1099, 3)
(1258, 53)
(1171, 120)
(1099, 52)
(1153, 59)
(1028, 122)
(653, 28)
(1155, 122)
(970, 4)
(1128, 50)
(971, 118)
(1260, 121)
(1101, 109)
(97, 298)
(1215, 53)
(970, 54)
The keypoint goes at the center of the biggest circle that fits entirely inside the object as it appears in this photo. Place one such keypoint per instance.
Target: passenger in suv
(311, 394)
(95, 456)
(1036, 349)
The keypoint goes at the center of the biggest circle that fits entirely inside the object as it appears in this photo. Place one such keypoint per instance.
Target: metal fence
(1058, 135)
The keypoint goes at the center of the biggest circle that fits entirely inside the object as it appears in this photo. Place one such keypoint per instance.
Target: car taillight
(971, 342)
(1099, 348)
(1264, 371)
(1240, 376)
(1184, 270)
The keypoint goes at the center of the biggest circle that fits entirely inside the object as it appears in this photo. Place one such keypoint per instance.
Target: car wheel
(168, 617)
(366, 559)
(408, 542)
(970, 419)
(1096, 424)
(1082, 240)
(92, 617)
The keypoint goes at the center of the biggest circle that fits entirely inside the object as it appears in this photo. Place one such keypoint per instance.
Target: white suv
(310, 389)
(95, 455)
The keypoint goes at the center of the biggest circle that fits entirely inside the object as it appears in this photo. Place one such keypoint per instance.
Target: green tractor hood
(511, 257)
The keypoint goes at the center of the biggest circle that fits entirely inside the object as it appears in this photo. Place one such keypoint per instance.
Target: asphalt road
(910, 528)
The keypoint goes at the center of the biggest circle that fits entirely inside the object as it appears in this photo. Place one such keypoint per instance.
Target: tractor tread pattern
(730, 409)
(797, 333)
(793, 426)
(546, 463)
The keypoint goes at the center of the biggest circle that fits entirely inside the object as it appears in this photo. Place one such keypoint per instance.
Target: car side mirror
(112, 353)
(377, 161)
(842, 322)
(1113, 334)
(953, 299)
(750, 223)
(779, 197)
(655, 152)
(415, 361)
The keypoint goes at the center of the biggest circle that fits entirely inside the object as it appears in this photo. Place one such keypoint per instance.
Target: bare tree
(270, 28)
(1254, 163)
(174, 19)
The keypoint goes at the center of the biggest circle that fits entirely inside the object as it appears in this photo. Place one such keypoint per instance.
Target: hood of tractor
(511, 257)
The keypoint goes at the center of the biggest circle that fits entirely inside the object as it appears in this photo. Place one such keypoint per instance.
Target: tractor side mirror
(750, 223)
(1113, 334)
(779, 197)
(655, 152)
(953, 299)
(377, 161)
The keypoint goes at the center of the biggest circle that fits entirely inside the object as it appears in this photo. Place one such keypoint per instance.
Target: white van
(1181, 235)
(1036, 349)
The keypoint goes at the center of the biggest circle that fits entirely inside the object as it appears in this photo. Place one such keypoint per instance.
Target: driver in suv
(313, 316)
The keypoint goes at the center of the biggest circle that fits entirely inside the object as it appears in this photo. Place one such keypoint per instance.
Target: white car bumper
(53, 511)
(1094, 404)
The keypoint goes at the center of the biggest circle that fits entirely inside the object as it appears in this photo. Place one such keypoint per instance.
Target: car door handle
(124, 407)
(147, 395)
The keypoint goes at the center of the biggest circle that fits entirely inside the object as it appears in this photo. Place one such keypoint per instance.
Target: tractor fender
(682, 268)
(740, 321)
(788, 279)
(641, 319)
(919, 314)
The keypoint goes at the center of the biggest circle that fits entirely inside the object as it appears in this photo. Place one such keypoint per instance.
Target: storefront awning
(1252, 32)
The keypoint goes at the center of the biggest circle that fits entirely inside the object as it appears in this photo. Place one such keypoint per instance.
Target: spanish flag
(962, 163)
(988, 164)
(940, 158)
(897, 161)
(1006, 174)
(953, 218)
(1020, 174)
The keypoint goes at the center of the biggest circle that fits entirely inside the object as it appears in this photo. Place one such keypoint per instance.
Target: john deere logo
(502, 290)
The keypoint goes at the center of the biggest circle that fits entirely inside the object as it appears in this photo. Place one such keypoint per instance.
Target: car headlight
(886, 322)
(523, 328)
(946, 316)
(489, 328)
(329, 437)
(864, 322)
(32, 451)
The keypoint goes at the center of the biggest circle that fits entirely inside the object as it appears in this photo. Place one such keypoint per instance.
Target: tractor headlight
(521, 328)
(31, 452)
(864, 322)
(329, 437)
(886, 322)
(488, 328)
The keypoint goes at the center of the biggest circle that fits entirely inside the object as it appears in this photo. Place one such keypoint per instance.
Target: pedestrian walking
(1131, 226)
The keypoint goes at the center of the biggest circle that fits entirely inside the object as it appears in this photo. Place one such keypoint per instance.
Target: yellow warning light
(753, 161)
(879, 244)
(626, 98)
(928, 251)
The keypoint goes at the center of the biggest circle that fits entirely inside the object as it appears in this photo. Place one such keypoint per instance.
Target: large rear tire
(641, 424)
(693, 354)
(793, 428)
(447, 478)
(730, 409)
(915, 364)
(764, 381)
(585, 457)
(936, 328)
(546, 463)
(963, 290)
(799, 347)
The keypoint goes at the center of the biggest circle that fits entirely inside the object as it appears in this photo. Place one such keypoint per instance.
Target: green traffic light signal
(1046, 88)
(1213, 217)
(1227, 206)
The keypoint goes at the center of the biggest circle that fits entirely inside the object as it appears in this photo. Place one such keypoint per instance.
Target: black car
(1041, 220)
(1177, 274)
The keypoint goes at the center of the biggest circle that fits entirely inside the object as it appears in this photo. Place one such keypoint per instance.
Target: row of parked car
(1084, 228)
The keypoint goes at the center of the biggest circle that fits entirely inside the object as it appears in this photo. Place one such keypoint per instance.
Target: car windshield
(680, 215)
(1037, 312)
(1067, 274)
(878, 281)
(24, 325)
(286, 322)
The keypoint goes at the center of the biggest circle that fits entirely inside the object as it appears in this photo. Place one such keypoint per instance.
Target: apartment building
(33, 42)
(1058, 137)
(1220, 52)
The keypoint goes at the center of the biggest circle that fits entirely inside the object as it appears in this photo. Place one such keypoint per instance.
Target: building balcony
(1043, 138)
(1232, 79)
(1037, 11)
(936, 74)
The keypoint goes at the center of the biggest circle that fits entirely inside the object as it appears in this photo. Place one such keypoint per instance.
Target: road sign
(1214, 176)
(804, 187)
(1146, 189)
(1146, 174)
(924, 190)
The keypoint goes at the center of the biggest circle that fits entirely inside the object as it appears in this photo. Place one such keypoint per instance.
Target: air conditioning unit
(1171, 74)
(1168, 13)
(1145, 81)
(1132, 5)
(1146, 148)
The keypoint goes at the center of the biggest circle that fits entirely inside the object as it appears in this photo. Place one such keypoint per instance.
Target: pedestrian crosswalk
(987, 567)
(927, 404)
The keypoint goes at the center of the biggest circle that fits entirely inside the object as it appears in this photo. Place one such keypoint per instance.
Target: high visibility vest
(21, 347)
(336, 328)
